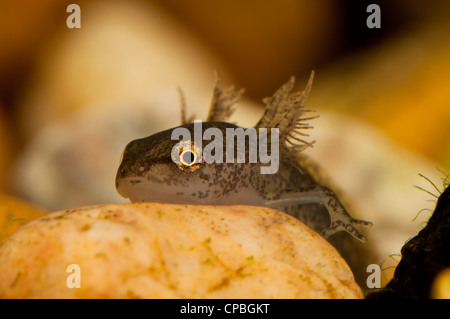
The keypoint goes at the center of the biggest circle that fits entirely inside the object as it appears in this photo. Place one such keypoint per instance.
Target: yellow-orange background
(396, 77)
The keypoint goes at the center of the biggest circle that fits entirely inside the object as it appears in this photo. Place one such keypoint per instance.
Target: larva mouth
(144, 190)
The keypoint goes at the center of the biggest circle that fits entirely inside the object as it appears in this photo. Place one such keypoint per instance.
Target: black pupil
(188, 157)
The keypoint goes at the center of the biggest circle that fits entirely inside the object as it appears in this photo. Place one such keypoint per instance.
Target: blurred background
(71, 99)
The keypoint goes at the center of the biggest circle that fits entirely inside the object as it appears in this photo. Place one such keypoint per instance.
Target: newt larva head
(158, 168)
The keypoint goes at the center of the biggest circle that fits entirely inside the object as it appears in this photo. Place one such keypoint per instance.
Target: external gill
(222, 101)
(184, 119)
(221, 107)
(286, 111)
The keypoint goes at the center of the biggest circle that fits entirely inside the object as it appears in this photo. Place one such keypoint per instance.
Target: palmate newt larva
(148, 173)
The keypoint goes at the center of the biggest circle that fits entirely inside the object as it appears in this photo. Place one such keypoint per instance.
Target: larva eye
(187, 156)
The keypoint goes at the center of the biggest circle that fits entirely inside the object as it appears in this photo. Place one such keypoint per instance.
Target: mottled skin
(149, 160)
(148, 173)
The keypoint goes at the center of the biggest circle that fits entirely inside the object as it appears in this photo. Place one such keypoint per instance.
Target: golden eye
(187, 156)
